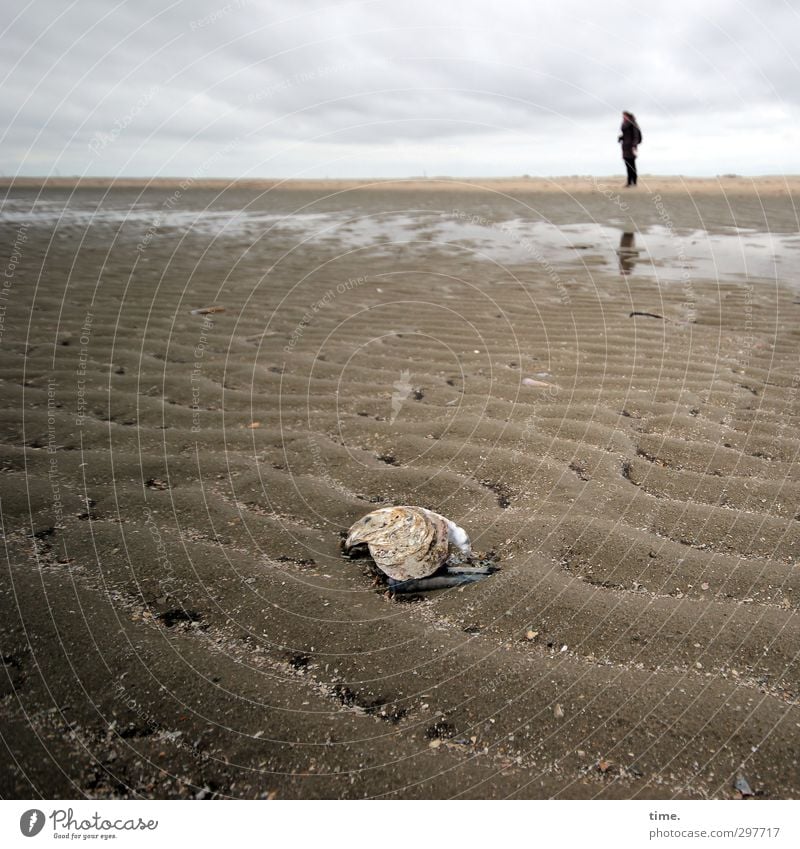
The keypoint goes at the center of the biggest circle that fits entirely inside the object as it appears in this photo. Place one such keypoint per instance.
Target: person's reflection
(627, 253)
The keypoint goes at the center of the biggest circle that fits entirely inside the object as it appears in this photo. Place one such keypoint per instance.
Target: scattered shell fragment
(529, 381)
(408, 542)
(206, 310)
(558, 712)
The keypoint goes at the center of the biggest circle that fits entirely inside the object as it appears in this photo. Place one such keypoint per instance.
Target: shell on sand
(405, 542)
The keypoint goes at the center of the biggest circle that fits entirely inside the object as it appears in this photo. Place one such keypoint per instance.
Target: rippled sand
(177, 618)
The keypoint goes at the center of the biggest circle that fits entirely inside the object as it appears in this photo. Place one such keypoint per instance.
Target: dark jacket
(631, 136)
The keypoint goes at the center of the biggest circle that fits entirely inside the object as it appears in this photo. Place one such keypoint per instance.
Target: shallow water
(655, 251)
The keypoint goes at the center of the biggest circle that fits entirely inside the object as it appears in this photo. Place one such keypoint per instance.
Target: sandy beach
(601, 386)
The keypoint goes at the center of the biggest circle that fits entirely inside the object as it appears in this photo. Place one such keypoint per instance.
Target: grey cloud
(364, 76)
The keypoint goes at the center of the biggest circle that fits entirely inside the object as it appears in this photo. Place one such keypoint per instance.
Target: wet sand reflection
(628, 253)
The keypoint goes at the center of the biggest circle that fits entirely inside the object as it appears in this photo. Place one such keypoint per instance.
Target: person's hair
(630, 116)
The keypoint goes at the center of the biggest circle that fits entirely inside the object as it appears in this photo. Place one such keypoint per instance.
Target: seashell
(408, 543)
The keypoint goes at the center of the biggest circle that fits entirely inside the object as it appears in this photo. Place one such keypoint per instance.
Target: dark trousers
(630, 164)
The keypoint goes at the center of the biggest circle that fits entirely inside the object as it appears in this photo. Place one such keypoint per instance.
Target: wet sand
(768, 185)
(177, 619)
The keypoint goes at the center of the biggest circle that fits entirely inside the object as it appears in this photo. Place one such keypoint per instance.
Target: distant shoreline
(770, 185)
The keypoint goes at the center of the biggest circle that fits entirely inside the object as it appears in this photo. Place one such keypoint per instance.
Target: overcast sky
(306, 88)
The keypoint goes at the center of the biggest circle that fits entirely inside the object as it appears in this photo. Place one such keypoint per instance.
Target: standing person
(630, 138)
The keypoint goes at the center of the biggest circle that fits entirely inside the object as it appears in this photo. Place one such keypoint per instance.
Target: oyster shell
(407, 542)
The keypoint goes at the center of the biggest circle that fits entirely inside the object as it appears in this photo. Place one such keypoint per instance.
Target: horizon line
(194, 181)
